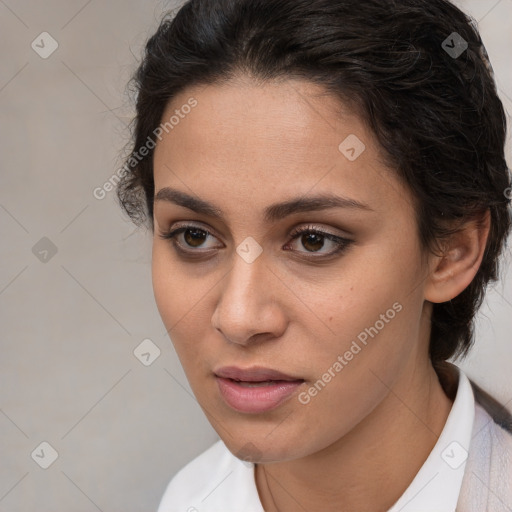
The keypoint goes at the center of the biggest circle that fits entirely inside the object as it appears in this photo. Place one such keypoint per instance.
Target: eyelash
(342, 243)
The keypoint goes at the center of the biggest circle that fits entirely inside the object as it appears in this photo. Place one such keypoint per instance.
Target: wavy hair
(402, 65)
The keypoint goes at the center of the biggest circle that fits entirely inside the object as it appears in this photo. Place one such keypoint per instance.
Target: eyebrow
(272, 213)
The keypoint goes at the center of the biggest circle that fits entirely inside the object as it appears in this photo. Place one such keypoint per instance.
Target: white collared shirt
(217, 481)
(436, 486)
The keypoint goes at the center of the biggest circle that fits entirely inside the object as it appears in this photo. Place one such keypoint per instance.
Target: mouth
(257, 384)
(255, 389)
(254, 374)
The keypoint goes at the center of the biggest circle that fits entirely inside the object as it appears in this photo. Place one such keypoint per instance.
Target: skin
(246, 146)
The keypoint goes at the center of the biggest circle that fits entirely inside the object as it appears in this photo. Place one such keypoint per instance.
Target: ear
(453, 270)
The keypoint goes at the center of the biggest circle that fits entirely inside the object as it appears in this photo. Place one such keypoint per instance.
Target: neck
(371, 466)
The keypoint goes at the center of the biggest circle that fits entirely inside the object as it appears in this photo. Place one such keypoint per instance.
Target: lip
(238, 393)
(253, 374)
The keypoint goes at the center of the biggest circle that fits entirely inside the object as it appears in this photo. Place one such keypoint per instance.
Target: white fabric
(217, 481)
(437, 484)
(487, 484)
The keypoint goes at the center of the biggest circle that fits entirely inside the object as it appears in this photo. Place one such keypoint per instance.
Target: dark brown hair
(415, 71)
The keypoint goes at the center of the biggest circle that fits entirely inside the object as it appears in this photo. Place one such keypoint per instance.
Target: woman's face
(344, 318)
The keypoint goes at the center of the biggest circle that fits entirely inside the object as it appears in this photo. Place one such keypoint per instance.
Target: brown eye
(192, 242)
(194, 237)
(314, 240)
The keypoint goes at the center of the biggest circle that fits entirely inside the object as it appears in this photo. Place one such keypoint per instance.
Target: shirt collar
(438, 483)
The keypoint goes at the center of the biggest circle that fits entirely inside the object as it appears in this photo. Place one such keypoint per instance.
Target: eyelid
(191, 224)
(312, 227)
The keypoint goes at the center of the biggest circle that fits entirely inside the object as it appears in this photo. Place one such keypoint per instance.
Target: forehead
(263, 142)
(292, 117)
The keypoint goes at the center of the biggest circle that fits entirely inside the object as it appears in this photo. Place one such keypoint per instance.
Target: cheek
(355, 297)
(165, 285)
(369, 317)
(177, 291)
(353, 377)
(174, 293)
(181, 302)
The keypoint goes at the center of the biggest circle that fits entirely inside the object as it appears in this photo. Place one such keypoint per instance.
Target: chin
(263, 451)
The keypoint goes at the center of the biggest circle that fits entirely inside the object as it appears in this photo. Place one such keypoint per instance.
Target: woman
(326, 185)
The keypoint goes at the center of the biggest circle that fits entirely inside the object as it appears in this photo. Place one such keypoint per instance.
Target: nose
(248, 308)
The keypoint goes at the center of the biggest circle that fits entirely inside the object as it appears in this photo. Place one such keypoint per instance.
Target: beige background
(68, 374)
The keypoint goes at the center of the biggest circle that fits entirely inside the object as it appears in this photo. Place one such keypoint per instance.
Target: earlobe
(453, 271)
